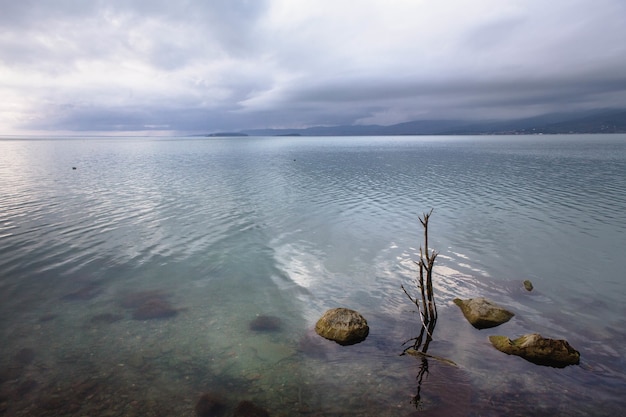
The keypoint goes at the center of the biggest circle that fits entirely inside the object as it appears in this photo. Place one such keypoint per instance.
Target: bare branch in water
(425, 303)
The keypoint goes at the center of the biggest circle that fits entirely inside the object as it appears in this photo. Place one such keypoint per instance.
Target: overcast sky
(178, 67)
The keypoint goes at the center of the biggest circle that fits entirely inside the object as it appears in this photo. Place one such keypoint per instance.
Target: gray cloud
(189, 66)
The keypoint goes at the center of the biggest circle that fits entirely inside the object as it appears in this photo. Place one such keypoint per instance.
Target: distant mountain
(225, 134)
(610, 122)
(421, 127)
(598, 121)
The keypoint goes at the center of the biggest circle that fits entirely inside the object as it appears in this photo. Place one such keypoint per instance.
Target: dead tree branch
(425, 303)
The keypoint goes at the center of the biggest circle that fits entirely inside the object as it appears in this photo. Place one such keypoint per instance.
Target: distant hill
(598, 121)
(611, 122)
(225, 134)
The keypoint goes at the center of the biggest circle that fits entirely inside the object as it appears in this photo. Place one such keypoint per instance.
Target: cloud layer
(138, 66)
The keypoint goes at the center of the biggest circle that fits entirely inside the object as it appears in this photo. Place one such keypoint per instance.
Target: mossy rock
(539, 350)
(528, 285)
(343, 326)
(482, 313)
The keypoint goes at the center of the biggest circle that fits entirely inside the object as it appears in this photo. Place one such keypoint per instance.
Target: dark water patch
(136, 299)
(247, 408)
(264, 323)
(26, 387)
(25, 356)
(84, 293)
(105, 318)
(210, 405)
(154, 309)
(47, 317)
(10, 373)
(440, 389)
(518, 404)
(149, 304)
(522, 403)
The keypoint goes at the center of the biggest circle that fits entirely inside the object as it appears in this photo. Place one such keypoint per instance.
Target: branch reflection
(419, 348)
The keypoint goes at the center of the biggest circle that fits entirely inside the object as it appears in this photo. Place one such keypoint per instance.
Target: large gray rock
(539, 350)
(482, 313)
(343, 326)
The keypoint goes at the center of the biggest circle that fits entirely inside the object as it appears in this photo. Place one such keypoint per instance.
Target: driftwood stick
(419, 354)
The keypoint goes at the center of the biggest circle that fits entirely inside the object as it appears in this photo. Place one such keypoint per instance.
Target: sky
(135, 67)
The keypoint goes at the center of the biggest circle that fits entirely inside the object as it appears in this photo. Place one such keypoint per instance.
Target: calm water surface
(134, 283)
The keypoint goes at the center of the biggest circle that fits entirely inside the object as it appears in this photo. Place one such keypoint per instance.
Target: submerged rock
(343, 326)
(249, 409)
(539, 350)
(154, 309)
(528, 285)
(264, 323)
(47, 317)
(209, 405)
(482, 313)
(152, 304)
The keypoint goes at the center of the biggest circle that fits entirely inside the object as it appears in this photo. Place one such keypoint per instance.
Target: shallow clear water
(219, 231)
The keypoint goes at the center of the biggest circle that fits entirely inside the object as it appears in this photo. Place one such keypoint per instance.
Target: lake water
(98, 236)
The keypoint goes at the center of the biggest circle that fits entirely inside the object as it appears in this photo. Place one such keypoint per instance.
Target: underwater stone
(538, 350)
(154, 309)
(482, 313)
(209, 405)
(47, 317)
(264, 323)
(249, 409)
(343, 326)
(152, 304)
